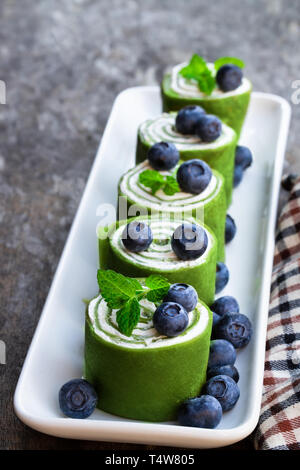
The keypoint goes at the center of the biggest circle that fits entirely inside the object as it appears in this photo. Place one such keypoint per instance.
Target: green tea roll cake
(160, 258)
(145, 376)
(219, 154)
(209, 206)
(231, 106)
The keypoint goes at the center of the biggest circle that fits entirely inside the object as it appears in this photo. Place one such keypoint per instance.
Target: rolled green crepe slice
(159, 258)
(145, 376)
(230, 106)
(219, 154)
(208, 207)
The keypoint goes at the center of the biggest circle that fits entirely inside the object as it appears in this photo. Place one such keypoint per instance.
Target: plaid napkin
(279, 423)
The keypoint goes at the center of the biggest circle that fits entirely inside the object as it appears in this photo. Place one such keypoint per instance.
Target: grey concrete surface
(63, 62)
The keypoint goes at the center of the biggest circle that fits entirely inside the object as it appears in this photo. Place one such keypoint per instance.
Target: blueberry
(222, 276)
(216, 319)
(238, 175)
(225, 304)
(163, 156)
(208, 127)
(77, 399)
(187, 118)
(201, 412)
(224, 389)
(221, 352)
(194, 176)
(183, 294)
(137, 236)
(229, 77)
(234, 327)
(189, 241)
(170, 319)
(228, 369)
(230, 229)
(243, 156)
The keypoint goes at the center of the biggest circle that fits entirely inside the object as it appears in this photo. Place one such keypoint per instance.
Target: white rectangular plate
(56, 351)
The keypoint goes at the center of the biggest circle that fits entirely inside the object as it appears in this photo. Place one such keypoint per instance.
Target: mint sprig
(125, 294)
(154, 180)
(197, 69)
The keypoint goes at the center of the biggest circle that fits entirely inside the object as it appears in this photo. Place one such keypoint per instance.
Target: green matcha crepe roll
(209, 206)
(231, 106)
(146, 375)
(219, 154)
(159, 257)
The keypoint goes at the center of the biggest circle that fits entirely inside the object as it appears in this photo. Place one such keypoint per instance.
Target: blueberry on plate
(222, 276)
(230, 229)
(137, 236)
(208, 127)
(189, 241)
(183, 294)
(221, 352)
(234, 327)
(237, 175)
(187, 119)
(229, 77)
(170, 319)
(77, 399)
(225, 304)
(216, 319)
(224, 389)
(194, 176)
(243, 156)
(163, 156)
(227, 369)
(201, 412)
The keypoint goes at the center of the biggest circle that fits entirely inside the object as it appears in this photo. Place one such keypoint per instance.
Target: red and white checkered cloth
(279, 423)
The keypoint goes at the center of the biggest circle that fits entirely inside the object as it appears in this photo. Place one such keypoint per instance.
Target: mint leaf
(117, 289)
(128, 316)
(151, 179)
(171, 186)
(195, 68)
(198, 70)
(158, 286)
(228, 60)
(154, 180)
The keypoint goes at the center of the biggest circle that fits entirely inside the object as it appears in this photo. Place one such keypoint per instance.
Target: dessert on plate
(145, 372)
(147, 191)
(180, 250)
(211, 141)
(219, 88)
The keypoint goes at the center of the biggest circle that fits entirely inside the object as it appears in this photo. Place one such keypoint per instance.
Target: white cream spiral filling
(159, 255)
(103, 320)
(188, 88)
(162, 129)
(178, 202)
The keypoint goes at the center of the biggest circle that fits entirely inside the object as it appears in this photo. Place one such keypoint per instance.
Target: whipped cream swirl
(103, 320)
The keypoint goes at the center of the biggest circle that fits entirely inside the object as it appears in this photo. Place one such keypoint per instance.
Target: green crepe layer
(220, 154)
(159, 258)
(230, 107)
(209, 207)
(146, 382)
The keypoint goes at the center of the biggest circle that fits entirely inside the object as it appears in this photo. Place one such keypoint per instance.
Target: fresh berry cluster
(231, 330)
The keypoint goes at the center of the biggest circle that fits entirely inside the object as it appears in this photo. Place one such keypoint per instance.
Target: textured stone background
(63, 62)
